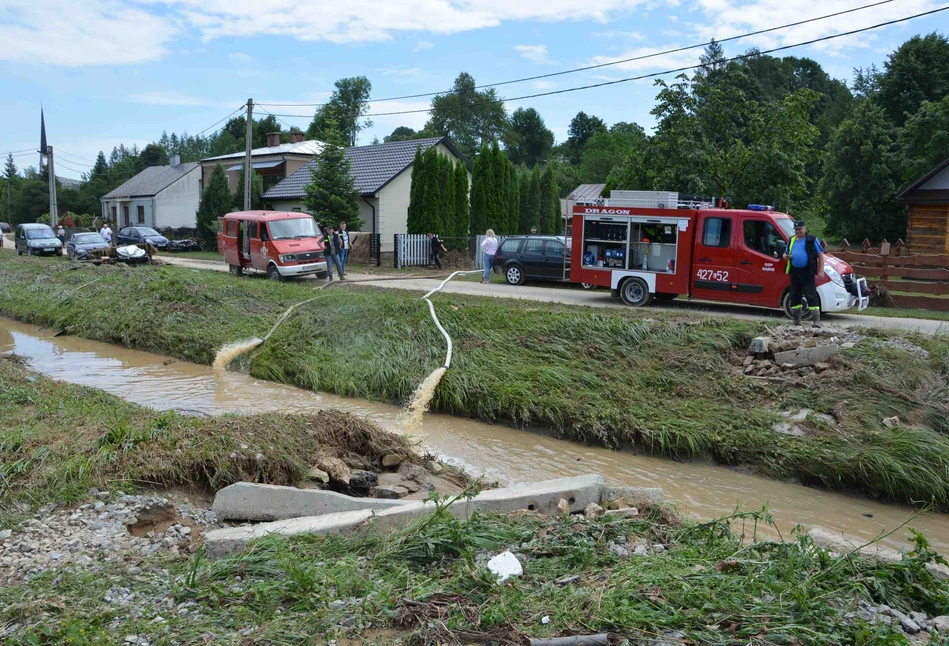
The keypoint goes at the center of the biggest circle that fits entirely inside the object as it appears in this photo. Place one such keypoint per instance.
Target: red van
(713, 254)
(284, 245)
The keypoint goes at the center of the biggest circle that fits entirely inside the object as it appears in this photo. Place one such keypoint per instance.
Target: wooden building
(927, 228)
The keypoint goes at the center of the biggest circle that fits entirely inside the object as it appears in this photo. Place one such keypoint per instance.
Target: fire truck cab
(652, 252)
(280, 244)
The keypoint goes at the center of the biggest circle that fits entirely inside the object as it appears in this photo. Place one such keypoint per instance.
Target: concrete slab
(807, 356)
(260, 502)
(542, 497)
(633, 495)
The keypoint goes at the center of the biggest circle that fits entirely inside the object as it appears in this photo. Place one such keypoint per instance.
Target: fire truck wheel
(514, 275)
(274, 274)
(786, 306)
(635, 293)
(587, 285)
(235, 270)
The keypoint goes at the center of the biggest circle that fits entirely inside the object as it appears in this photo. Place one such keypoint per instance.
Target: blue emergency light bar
(760, 207)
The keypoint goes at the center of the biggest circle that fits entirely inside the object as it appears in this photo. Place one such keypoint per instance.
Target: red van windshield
(295, 228)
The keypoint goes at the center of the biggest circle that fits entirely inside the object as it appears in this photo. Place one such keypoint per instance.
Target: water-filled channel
(500, 453)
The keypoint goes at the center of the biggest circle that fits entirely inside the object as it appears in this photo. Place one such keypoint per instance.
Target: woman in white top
(489, 247)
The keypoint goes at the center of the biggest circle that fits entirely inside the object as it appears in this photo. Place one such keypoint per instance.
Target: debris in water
(421, 399)
(231, 351)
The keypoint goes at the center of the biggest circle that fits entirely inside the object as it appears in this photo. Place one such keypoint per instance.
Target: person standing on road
(106, 232)
(61, 234)
(344, 250)
(489, 247)
(805, 257)
(332, 245)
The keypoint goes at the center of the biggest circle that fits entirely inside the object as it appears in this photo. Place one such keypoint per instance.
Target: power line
(222, 120)
(653, 74)
(24, 151)
(610, 63)
(257, 105)
(60, 162)
(60, 151)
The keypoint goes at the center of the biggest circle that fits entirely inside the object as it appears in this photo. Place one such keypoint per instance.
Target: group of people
(336, 249)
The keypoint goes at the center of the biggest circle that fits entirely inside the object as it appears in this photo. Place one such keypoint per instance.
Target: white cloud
(726, 18)
(166, 98)
(534, 53)
(241, 57)
(90, 32)
(625, 35)
(400, 72)
(544, 85)
(377, 20)
(424, 44)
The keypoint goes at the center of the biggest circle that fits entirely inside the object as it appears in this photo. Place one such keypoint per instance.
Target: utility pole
(53, 205)
(248, 171)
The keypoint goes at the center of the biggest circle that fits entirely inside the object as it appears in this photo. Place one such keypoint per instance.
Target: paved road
(602, 298)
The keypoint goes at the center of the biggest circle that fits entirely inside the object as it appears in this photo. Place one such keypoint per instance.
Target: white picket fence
(412, 250)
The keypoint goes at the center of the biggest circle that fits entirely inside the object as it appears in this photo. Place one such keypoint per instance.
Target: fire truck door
(761, 277)
(714, 275)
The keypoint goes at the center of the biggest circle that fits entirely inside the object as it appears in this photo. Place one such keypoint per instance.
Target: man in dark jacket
(805, 257)
(332, 246)
(436, 249)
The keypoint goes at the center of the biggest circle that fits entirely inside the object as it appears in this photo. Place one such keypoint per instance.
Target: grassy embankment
(57, 441)
(614, 378)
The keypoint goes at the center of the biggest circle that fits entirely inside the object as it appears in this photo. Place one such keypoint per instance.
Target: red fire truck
(671, 247)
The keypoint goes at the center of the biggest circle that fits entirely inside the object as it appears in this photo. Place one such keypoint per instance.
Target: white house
(158, 197)
(383, 176)
(273, 163)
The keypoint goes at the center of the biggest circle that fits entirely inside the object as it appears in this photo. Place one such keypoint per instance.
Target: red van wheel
(274, 274)
(235, 270)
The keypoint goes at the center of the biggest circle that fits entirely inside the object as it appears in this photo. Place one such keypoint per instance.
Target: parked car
(141, 235)
(80, 244)
(36, 239)
(533, 257)
(5, 227)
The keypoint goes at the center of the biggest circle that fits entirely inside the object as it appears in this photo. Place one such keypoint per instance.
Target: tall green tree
(513, 199)
(10, 178)
(916, 72)
(606, 150)
(497, 216)
(216, 201)
(550, 217)
(151, 155)
(861, 178)
(416, 193)
(256, 193)
(527, 139)
(582, 128)
(523, 209)
(924, 142)
(446, 189)
(462, 219)
(344, 111)
(480, 185)
(331, 194)
(532, 203)
(471, 117)
(431, 214)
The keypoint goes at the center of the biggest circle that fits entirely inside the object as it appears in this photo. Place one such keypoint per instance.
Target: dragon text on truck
(647, 245)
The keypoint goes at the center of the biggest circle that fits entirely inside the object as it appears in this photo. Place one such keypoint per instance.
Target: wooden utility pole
(53, 205)
(248, 171)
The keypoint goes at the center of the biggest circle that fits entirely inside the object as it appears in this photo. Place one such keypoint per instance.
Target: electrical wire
(19, 153)
(610, 63)
(60, 151)
(243, 107)
(651, 75)
(61, 163)
(257, 105)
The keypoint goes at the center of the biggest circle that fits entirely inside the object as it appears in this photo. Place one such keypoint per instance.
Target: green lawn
(197, 255)
(621, 378)
(899, 312)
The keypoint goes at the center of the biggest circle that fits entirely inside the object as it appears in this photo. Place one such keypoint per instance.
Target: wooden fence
(916, 281)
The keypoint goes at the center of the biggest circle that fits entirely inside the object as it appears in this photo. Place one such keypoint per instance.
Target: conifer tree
(216, 201)
(480, 179)
(523, 198)
(416, 192)
(331, 194)
(533, 200)
(462, 215)
(550, 216)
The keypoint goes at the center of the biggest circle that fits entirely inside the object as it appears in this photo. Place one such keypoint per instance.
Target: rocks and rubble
(910, 623)
(101, 532)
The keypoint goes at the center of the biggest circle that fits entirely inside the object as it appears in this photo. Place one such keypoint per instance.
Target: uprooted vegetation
(661, 384)
(651, 579)
(58, 441)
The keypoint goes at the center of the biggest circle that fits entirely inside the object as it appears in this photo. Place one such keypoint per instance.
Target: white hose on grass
(426, 390)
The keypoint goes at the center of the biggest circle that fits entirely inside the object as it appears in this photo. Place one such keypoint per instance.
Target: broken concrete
(807, 356)
(891, 422)
(787, 428)
(541, 497)
(260, 502)
(760, 345)
(634, 496)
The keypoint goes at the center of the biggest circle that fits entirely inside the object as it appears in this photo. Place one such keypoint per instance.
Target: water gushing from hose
(426, 390)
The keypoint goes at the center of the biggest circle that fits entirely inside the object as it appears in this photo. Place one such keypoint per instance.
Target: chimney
(175, 160)
(296, 136)
(273, 139)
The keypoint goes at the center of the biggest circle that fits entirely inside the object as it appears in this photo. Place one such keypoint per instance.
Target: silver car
(36, 239)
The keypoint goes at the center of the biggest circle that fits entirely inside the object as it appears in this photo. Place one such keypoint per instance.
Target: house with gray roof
(382, 174)
(272, 163)
(158, 197)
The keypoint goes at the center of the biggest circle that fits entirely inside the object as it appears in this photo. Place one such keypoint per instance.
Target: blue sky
(122, 71)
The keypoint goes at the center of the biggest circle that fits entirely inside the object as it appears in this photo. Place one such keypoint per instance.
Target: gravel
(96, 533)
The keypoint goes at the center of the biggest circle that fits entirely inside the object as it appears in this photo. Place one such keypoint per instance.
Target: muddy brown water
(500, 453)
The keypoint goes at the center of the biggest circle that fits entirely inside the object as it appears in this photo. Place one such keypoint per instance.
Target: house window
(717, 232)
(141, 214)
(125, 216)
(114, 214)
